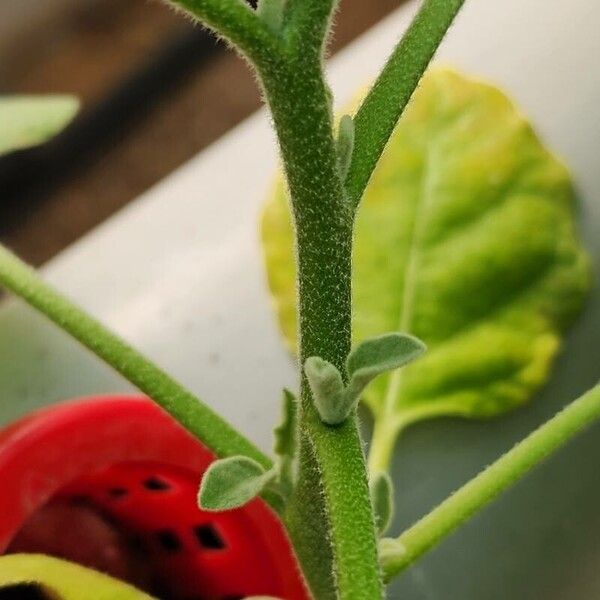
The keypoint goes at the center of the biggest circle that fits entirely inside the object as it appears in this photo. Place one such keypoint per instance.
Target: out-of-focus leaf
(465, 239)
(286, 442)
(30, 120)
(62, 580)
(382, 499)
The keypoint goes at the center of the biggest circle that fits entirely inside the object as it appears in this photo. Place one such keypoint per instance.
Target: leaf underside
(62, 580)
(465, 239)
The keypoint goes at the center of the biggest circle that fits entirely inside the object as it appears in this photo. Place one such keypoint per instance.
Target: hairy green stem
(330, 516)
(308, 25)
(377, 116)
(196, 417)
(238, 23)
(481, 490)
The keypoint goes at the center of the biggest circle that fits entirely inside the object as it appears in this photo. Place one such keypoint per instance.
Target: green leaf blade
(30, 120)
(466, 239)
(231, 483)
(383, 353)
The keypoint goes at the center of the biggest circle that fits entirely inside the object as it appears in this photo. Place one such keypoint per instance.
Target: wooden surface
(88, 49)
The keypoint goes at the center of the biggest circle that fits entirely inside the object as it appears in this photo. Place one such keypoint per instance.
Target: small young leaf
(61, 580)
(380, 354)
(271, 11)
(382, 499)
(285, 442)
(327, 389)
(232, 482)
(29, 120)
(345, 144)
(285, 432)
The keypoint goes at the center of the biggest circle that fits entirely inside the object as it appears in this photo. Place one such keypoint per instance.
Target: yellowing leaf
(465, 239)
(29, 120)
(63, 580)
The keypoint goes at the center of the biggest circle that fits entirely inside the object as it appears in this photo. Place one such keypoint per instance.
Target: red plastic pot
(140, 470)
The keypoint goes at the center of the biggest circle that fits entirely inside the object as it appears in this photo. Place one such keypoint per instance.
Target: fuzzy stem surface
(384, 104)
(486, 486)
(329, 516)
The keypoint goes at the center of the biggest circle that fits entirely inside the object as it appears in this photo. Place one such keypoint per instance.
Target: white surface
(179, 274)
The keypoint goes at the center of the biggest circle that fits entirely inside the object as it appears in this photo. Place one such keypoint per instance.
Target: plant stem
(333, 488)
(238, 23)
(196, 417)
(387, 99)
(486, 486)
(382, 445)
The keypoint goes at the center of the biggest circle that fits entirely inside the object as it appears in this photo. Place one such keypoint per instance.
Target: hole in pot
(168, 540)
(117, 492)
(26, 591)
(119, 520)
(208, 537)
(156, 484)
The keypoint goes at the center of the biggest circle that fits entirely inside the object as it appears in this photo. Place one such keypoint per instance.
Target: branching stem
(238, 23)
(331, 504)
(377, 116)
(481, 490)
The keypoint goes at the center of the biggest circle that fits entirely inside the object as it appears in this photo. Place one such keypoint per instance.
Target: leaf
(286, 442)
(345, 144)
(377, 355)
(232, 482)
(29, 120)
(382, 499)
(62, 580)
(372, 357)
(465, 238)
(285, 432)
(271, 11)
(327, 389)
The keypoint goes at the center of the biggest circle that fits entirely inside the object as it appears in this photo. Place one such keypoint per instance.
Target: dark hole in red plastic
(24, 591)
(208, 537)
(169, 541)
(156, 484)
(113, 484)
(80, 500)
(117, 492)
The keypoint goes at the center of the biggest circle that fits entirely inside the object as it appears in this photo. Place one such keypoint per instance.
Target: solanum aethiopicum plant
(318, 482)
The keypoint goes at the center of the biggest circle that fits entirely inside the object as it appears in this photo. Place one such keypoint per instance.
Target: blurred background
(155, 89)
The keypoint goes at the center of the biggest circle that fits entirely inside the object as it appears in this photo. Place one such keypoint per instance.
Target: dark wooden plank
(97, 46)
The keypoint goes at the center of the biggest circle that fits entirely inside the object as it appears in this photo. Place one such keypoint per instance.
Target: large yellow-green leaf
(465, 239)
(29, 120)
(63, 580)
